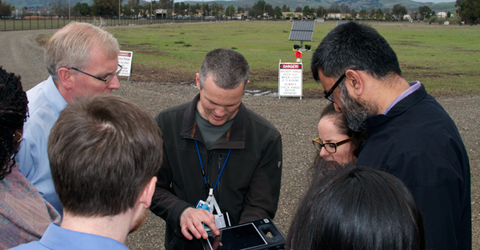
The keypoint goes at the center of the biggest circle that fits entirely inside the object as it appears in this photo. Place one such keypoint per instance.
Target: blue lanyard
(203, 171)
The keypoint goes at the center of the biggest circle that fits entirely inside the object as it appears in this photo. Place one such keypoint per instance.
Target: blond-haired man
(82, 61)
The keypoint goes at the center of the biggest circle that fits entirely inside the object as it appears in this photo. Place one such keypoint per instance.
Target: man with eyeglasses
(409, 134)
(82, 61)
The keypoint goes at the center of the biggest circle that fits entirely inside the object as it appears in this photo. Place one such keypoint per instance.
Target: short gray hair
(71, 46)
(227, 67)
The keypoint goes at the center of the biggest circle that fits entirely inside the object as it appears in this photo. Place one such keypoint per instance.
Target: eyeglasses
(328, 95)
(331, 147)
(107, 79)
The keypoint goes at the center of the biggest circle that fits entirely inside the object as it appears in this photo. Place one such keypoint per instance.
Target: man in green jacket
(218, 152)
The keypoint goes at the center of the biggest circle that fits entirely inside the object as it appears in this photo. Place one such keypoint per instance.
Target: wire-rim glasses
(331, 147)
(107, 79)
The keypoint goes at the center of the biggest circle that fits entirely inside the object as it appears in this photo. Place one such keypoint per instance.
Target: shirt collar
(413, 87)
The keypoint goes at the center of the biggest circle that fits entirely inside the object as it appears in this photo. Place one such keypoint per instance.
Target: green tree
(362, 13)
(5, 9)
(205, 9)
(82, 8)
(353, 12)
(468, 10)
(379, 13)
(277, 11)
(320, 11)
(344, 8)
(285, 8)
(105, 7)
(258, 9)
(298, 9)
(334, 8)
(425, 11)
(307, 11)
(230, 11)
(126, 10)
(372, 14)
(217, 9)
(399, 11)
(269, 10)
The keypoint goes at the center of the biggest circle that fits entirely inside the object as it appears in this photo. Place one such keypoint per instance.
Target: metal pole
(119, 4)
(68, 10)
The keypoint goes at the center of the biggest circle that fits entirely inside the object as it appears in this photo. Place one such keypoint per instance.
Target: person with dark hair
(104, 153)
(357, 208)
(217, 152)
(408, 133)
(24, 214)
(336, 141)
(82, 60)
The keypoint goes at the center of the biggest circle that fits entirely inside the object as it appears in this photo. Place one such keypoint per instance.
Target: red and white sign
(125, 59)
(290, 79)
(291, 66)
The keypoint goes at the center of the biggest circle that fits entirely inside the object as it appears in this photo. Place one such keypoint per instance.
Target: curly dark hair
(13, 113)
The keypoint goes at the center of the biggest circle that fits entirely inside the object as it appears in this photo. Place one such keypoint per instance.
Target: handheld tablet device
(256, 235)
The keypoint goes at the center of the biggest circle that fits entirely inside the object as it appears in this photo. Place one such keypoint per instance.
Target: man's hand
(191, 220)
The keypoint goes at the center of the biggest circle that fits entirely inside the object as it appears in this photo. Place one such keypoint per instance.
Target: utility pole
(119, 4)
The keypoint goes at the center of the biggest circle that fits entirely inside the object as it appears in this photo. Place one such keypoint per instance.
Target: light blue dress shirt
(56, 237)
(44, 106)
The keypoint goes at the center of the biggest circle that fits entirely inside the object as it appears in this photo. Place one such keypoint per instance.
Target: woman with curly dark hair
(24, 214)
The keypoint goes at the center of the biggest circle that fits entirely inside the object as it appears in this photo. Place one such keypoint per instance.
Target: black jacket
(249, 187)
(418, 142)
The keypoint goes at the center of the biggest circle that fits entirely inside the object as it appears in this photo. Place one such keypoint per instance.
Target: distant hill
(356, 4)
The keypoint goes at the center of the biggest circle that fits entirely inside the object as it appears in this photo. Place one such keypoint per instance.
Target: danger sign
(125, 59)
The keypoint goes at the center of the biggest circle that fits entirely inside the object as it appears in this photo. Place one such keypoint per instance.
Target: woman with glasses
(24, 214)
(336, 141)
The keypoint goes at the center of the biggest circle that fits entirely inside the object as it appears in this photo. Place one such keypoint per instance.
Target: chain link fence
(56, 22)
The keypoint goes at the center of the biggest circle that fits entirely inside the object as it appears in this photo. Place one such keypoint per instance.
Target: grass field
(445, 58)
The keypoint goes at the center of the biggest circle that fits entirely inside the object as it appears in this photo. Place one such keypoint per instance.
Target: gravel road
(295, 119)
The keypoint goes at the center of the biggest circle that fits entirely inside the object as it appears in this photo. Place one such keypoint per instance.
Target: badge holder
(211, 205)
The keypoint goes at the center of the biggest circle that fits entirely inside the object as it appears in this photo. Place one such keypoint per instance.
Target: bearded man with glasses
(409, 134)
(82, 61)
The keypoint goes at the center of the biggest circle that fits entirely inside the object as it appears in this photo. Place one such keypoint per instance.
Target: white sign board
(290, 79)
(125, 59)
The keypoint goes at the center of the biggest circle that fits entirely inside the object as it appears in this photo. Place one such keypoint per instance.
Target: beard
(355, 111)
(139, 222)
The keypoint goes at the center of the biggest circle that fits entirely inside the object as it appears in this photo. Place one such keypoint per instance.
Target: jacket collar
(398, 109)
(234, 138)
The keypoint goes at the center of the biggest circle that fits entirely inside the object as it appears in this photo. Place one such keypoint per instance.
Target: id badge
(201, 204)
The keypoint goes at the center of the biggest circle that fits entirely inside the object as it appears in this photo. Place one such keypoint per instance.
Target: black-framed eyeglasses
(107, 79)
(331, 147)
(328, 95)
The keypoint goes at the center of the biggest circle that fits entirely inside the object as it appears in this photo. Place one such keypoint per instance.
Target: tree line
(468, 10)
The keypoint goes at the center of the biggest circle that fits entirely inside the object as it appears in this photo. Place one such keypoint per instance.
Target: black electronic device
(256, 235)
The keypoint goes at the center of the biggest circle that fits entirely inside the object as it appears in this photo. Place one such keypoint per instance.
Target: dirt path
(296, 120)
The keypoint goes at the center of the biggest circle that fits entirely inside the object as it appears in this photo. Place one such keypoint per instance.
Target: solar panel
(302, 31)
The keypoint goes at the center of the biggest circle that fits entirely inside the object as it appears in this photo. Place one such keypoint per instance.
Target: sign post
(125, 59)
(290, 78)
